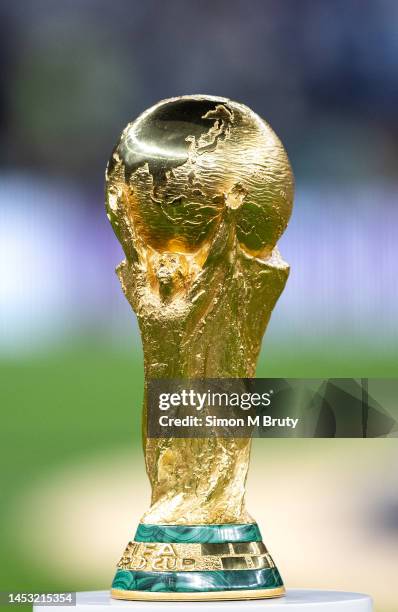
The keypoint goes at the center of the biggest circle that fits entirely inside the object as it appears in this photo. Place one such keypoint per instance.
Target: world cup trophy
(198, 190)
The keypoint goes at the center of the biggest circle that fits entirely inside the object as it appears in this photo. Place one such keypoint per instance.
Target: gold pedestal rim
(198, 596)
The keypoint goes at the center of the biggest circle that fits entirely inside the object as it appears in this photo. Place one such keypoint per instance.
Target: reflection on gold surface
(199, 189)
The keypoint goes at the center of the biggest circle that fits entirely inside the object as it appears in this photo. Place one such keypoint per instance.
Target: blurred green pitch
(87, 398)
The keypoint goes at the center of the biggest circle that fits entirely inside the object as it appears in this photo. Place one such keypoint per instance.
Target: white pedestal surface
(296, 600)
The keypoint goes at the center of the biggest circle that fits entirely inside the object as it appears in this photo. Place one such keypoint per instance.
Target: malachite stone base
(188, 582)
(215, 534)
(257, 581)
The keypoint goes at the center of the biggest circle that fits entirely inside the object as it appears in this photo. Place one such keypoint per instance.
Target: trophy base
(197, 562)
(197, 596)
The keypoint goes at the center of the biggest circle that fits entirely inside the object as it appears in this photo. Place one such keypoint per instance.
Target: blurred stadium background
(325, 76)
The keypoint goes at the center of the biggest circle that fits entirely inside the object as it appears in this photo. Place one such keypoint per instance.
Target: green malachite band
(215, 534)
(190, 582)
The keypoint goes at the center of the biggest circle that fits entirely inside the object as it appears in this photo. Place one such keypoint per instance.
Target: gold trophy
(198, 190)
